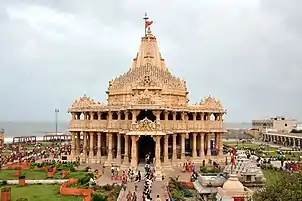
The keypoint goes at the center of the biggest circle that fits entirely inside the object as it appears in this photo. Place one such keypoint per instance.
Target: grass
(77, 175)
(271, 175)
(241, 145)
(272, 151)
(41, 192)
(29, 174)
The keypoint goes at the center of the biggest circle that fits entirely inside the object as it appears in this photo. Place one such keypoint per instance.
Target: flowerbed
(180, 190)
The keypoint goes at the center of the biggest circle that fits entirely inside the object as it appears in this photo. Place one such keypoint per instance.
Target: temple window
(170, 116)
(103, 116)
(190, 116)
(114, 116)
(212, 117)
(162, 116)
(198, 117)
(129, 116)
(178, 116)
(95, 116)
(80, 116)
(123, 116)
(205, 117)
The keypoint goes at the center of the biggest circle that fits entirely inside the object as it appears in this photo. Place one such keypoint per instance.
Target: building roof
(149, 82)
(233, 185)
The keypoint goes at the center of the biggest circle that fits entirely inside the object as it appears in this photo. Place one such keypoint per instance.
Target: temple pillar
(174, 154)
(126, 155)
(216, 141)
(158, 167)
(208, 144)
(166, 154)
(73, 143)
(183, 151)
(134, 116)
(99, 152)
(85, 144)
(220, 147)
(109, 159)
(119, 154)
(157, 151)
(194, 116)
(194, 151)
(78, 144)
(91, 145)
(133, 151)
(157, 115)
(201, 150)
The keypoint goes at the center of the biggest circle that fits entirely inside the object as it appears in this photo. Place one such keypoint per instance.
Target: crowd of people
(34, 153)
(149, 179)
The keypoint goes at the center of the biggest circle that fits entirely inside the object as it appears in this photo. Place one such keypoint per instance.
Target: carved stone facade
(147, 102)
(1, 139)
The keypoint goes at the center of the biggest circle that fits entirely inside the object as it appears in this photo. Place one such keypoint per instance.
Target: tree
(288, 186)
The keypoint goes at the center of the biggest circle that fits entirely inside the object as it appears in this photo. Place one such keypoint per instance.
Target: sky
(247, 54)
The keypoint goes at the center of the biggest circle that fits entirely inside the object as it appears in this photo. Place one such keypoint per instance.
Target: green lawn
(41, 193)
(78, 174)
(272, 151)
(271, 175)
(29, 174)
(241, 145)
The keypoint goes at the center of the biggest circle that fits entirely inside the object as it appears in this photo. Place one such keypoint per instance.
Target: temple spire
(147, 23)
(148, 52)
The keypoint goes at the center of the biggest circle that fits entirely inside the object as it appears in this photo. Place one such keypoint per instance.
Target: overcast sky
(246, 53)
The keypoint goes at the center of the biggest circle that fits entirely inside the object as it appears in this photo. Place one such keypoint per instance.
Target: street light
(56, 119)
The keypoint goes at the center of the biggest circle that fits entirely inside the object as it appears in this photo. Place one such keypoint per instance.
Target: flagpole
(146, 18)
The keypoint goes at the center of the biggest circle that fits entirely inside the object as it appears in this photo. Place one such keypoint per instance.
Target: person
(139, 176)
(128, 196)
(134, 197)
(158, 198)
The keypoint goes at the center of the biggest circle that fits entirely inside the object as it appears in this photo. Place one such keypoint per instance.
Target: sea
(38, 129)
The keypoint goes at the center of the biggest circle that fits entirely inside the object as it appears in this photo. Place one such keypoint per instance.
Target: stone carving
(146, 97)
(145, 125)
(210, 103)
(83, 102)
(163, 76)
(147, 82)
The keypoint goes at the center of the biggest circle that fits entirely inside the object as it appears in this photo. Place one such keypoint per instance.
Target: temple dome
(233, 184)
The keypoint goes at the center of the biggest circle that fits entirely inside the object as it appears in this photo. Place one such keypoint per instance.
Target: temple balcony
(166, 126)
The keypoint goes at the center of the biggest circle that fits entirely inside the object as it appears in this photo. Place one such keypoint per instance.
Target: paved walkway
(158, 187)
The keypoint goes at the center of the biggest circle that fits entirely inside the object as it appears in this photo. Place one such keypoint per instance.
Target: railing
(190, 126)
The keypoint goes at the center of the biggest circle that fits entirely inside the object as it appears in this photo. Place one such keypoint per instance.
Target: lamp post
(56, 119)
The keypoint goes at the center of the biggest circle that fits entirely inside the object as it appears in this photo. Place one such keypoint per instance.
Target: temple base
(158, 174)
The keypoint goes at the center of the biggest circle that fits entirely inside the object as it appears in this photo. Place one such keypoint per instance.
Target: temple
(147, 111)
(1, 140)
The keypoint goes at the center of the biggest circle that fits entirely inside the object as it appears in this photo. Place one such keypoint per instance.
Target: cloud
(245, 53)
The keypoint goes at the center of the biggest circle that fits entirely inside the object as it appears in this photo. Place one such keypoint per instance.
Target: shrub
(22, 199)
(6, 189)
(98, 197)
(4, 182)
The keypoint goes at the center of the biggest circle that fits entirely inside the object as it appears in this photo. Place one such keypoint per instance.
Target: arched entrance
(146, 145)
(146, 113)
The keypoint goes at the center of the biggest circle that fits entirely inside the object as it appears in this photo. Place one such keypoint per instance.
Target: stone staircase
(198, 186)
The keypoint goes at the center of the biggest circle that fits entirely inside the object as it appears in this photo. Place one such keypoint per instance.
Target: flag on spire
(148, 23)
